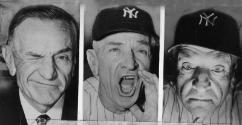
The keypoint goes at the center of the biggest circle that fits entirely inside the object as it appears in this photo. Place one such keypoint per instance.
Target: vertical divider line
(161, 63)
(81, 59)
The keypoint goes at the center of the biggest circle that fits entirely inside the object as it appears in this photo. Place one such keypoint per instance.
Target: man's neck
(31, 113)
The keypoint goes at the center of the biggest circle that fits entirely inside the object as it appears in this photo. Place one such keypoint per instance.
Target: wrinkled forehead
(191, 51)
(47, 25)
(40, 36)
(123, 38)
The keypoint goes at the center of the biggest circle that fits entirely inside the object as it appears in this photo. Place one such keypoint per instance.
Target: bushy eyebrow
(114, 43)
(221, 55)
(187, 52)
(63, 50)
(217, 54)
(143, 42)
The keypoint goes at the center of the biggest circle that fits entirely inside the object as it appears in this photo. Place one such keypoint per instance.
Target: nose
(130, 61)
(48, 69)
(201, 78)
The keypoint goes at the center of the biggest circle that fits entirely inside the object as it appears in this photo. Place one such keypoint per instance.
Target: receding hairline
(62, 25)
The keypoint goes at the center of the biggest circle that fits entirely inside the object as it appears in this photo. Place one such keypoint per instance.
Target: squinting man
(40, 51)
(206, 63)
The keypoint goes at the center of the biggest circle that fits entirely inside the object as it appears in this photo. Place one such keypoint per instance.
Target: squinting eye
(114, 49)
(218, 69)
(34, 57)
(186, 66)
(143, 52)
(64, 58)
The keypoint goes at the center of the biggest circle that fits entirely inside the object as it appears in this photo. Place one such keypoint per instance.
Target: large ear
(9, 59)
(92, 61)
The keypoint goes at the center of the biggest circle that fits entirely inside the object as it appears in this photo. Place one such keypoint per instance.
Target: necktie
(42, 119)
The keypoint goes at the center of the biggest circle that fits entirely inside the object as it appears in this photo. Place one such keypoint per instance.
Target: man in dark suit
(41, 51)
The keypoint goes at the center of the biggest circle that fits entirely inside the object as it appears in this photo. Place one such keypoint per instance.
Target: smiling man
(41, 52)
(123, 42)
(206, 52)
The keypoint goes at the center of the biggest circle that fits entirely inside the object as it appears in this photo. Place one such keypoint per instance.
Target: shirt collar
(31, 113)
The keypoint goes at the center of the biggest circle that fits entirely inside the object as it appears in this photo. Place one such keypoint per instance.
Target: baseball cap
(125, 18)
(210, 29)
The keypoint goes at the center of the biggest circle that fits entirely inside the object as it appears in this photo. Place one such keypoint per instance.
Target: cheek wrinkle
(185, 83)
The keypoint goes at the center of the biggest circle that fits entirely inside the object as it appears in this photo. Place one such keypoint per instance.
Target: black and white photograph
(202, 66)
(39, 47)
(122, 63)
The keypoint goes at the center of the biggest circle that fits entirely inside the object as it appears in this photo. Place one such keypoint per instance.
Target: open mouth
(127, 85)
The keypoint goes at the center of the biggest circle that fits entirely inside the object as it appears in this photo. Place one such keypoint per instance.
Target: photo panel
(139, 62)
(39, 43)
(121, 63)
(198, 86)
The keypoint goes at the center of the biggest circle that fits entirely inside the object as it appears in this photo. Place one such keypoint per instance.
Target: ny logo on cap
(131, 13)
(209, 19)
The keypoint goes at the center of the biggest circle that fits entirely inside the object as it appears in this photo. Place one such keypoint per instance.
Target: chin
(48, 100)
(127, 102)
(201, 113)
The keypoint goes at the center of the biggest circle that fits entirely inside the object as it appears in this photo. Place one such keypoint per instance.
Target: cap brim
(171, 49)
(120, 30)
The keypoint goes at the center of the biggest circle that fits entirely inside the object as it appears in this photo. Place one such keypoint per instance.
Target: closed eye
(64, 57)
(218, 69)
(33, 56)
(114, 49)
(143, 52)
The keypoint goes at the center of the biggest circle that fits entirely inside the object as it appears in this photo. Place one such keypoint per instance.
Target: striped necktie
(42, 119)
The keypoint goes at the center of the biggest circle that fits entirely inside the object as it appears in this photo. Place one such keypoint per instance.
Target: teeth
(128, 77)
(127, 84)
(127, 89)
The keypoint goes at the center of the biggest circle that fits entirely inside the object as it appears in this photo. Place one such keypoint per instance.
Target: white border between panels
(161, 63)
(81, 66)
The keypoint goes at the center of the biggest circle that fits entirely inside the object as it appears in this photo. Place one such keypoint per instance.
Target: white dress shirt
(31, 113)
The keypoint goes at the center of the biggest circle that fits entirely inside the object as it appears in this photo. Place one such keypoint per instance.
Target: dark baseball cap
(125, 18)
(210, 29)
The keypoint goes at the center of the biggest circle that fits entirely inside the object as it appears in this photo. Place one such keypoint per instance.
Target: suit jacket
(11, 111)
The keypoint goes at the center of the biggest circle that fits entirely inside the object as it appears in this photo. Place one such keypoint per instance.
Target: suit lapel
(11, 111)
(70, 104)
(19, 110)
